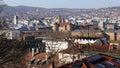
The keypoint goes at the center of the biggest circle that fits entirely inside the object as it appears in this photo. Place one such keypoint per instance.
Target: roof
(26, 28)
(84, 33)
(38, 61)
(91, 38)
(72, 50)
(64, 24)
(80, 48)
(102, 60)
(41, 56)
(38, 57)
(95, 61)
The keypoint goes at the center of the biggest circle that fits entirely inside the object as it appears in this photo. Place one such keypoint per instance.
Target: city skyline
(65, 3)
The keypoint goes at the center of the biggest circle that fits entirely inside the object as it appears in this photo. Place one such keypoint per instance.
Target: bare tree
(54, 49)
(11, 51)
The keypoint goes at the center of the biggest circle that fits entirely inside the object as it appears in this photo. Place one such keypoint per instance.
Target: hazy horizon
(84, 4)
(62, 7)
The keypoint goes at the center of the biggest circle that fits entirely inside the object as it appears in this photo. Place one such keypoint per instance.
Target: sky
(65, 3)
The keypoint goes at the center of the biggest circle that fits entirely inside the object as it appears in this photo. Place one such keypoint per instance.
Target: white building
(100, 25)
(55, 45)
(67, 58)
(69, 55)
(15, 20)
(85, 41)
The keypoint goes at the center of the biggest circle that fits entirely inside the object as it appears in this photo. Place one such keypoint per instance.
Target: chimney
(37, 50)
(115, 35)
(33, 52)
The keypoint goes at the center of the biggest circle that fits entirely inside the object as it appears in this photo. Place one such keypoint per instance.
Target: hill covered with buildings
(39, 11)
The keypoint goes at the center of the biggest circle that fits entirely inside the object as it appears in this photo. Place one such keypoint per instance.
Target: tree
(3, 24)
(54, 37)
(11, 52)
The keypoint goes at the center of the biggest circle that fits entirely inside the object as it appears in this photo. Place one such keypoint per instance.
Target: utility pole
(88, 40)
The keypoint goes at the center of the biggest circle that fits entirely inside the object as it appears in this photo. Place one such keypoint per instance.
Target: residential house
(10, 34)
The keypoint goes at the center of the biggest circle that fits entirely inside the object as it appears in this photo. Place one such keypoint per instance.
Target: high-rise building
(15, 19)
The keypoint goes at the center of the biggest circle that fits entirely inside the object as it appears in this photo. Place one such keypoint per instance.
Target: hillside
(42, 12)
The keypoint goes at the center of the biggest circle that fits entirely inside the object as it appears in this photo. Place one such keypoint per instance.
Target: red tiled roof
(105, 45)
(85, 47)
(98, 59)
(64, 24)
(28, 57)
(36, 56)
